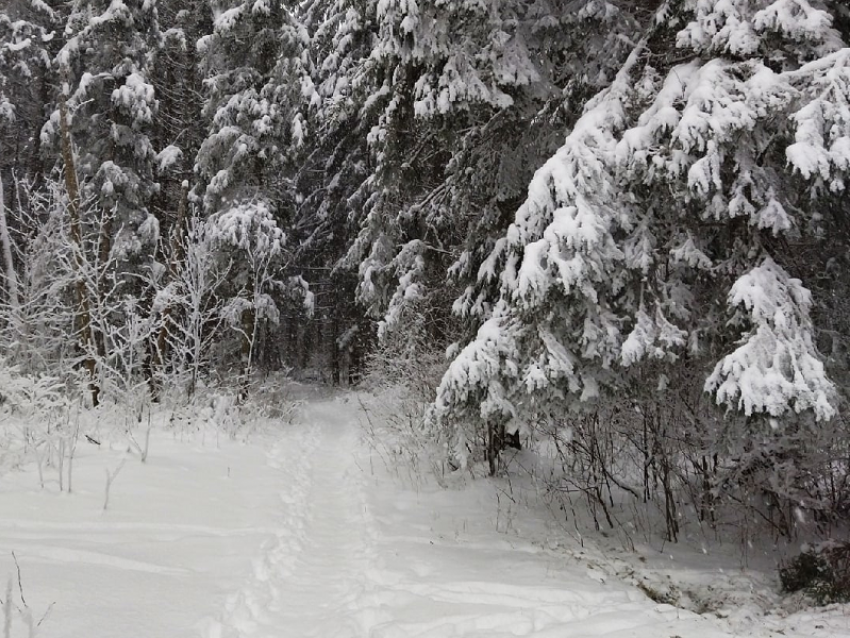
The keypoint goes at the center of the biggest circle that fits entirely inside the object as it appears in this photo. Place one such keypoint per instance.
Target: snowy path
(305, 531)
(309, 578)
(356, 556)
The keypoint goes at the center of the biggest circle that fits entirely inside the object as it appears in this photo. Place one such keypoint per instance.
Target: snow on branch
(776, 367)
(822, 140)
(653, 337)
(474, 375)
(249, 226)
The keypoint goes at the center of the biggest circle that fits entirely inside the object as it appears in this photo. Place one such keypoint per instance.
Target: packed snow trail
(309, 577)
(358, 556)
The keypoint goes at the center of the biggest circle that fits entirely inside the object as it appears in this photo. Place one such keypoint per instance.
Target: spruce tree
(663, 235)
(257, 74)
(105, 69)
(27, 37)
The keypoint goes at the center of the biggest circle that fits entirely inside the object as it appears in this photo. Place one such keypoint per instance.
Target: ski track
(324, 572)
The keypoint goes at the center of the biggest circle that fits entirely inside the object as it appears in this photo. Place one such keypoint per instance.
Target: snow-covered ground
(307, 531)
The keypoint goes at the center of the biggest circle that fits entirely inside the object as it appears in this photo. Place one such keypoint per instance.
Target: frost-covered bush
(31, 407)
(822, 571)
(34, 331)
(400, 376)
(223, 411)
(29, 396)
(661, 459)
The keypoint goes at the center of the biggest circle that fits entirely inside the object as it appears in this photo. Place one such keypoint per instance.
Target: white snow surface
(310, 532)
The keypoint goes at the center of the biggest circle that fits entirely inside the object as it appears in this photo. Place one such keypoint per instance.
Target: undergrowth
(821, 571)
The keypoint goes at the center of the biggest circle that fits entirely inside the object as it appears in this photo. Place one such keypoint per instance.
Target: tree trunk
(249, 334)
(175, 258)
(8, 260)
(495, 444)
(84, 324)
(334, 350)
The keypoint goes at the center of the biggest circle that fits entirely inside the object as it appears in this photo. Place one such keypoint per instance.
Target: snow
(777, 365)
(228, 19)
(168, 157)
(358, 555)
(165, 552)
(136, 96)
(117, 12)
(249, 226)
(651, 337)
(312, 529)
(794, 18)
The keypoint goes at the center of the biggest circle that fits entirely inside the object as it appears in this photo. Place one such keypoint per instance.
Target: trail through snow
(315, 530)
(310, 576)
(358, 556)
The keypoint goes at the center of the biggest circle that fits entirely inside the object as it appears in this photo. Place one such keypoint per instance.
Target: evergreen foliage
(823, 572)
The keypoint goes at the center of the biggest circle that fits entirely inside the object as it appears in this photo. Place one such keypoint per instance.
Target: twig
(20, 582)
(365, 412)
(110, 476)
(46, 614)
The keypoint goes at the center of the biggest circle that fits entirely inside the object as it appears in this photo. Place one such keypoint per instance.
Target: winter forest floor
(305, 530)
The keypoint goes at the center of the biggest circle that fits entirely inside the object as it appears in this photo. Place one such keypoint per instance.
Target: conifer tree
(257, 78)
(105, 69)
(473, 97)
(718, 148)
(254, 62)
(27, 36)
(334, 179)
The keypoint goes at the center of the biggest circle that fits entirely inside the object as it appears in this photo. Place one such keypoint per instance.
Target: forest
(619, 225)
